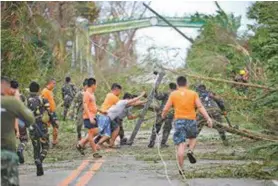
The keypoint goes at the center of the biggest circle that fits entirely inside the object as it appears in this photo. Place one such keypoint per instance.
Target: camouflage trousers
(166, 128)
(67, 103)
(9, 168)
(215, 115)
(40, 142)
(23, 138)
(121, 132)
(79, 124)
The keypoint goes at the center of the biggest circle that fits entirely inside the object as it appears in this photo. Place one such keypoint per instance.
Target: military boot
(39, 167)
(20, 156)
(151, 144)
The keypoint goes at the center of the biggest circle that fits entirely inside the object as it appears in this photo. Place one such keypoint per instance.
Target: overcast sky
(167, 37)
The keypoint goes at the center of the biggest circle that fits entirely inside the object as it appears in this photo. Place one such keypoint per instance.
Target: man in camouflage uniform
(163, 97)
(23, 136)
(68, 93)
(39, 132)
(215, 108)
(11, 108)
(77, 109)
(20, 125)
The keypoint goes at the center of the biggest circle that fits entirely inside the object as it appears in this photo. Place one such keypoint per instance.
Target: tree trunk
(246, 133)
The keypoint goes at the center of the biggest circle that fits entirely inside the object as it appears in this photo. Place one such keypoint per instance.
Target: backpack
(37, 105)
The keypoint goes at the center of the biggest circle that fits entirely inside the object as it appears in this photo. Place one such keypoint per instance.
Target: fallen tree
(222, 80)
(246, 133)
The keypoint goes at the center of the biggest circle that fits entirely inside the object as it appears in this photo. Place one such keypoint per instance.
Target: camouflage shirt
(77, 104)
(163, 97)
(68, 89)
(11, 108)
(210, 102)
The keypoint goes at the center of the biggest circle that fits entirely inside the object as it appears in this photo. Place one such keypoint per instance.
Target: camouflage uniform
(23, 137)
(39, 132)
(9, 171)
(68, 93)
(213, 106)
(11, 108)
(77, 112)
(241, 88)
(163, 97)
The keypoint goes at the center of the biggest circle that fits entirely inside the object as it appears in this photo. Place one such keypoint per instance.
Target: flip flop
(97, 155)
(182, 172)
(80, 149)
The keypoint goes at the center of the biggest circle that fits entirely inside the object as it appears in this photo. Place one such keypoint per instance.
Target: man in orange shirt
(185, 102)
(96, 124)
(111, 99)
(48, 95)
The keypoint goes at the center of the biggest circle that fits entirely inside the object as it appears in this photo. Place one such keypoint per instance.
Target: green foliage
(87, 9)
(18, 57)
(264, 43)
(215, 51)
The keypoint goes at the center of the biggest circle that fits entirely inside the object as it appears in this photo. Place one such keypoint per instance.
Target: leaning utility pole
(140, 120)
(170, 24)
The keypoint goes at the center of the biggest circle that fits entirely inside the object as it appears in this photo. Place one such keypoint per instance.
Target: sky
(167, 37)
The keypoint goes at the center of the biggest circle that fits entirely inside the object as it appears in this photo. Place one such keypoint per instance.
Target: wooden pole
(223, 80)
(145, 109)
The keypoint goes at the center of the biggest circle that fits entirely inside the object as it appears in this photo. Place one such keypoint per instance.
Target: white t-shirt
(118, 110)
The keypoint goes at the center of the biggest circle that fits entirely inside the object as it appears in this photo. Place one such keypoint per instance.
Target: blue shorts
(89, 125)
(104, 123)
(184, 129)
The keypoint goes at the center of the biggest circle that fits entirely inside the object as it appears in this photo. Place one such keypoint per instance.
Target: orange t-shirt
(48, 94)
(110, 100)
(90, 100)
(183, 101)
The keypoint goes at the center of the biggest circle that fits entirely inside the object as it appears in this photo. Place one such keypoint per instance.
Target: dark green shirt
(11, 108)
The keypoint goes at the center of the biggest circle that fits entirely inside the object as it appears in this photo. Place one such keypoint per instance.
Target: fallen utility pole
(146, 107)
(223, 80)
(170, 24)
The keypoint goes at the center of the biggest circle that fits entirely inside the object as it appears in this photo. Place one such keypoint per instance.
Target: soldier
(48, 95)
(39, 132)
(68, 93)
(77, 109)
(242, 77)
(215, 107)
(163, 97)
(21, 130)
(11, 108)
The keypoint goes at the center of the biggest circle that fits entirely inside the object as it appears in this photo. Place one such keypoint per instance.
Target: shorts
(184, 129)
(88, 124)
(114, 125)
(103, 123)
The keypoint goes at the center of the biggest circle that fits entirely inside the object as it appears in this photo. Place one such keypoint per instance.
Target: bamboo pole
(223, 80)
